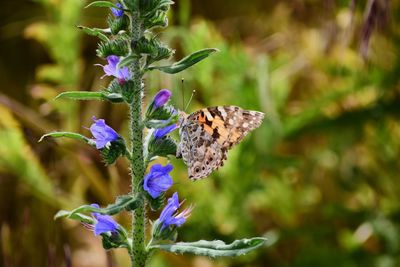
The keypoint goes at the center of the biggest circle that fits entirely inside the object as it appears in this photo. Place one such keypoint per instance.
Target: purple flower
(104, 223)
(111, 69)
(169, 216)
(161, 98)
(117, 12)
(102, 133)
(158, 180)
(160, 133)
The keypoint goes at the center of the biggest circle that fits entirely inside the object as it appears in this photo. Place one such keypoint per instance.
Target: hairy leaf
(65, 134)
(94, 32)
(74, 216)
(160, 123)
(101, 4)
(126, 61)
(89, 95)
(123, 202)
(214, 248)
(186, 62)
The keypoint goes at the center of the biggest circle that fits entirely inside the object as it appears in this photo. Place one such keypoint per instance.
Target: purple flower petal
(160, 133)
(124, 74)
(161, 98)
(102, 133)
(104, 223)
(117, 12)
(169, 217)
(111, 69)
(158, 180)
(95, 206)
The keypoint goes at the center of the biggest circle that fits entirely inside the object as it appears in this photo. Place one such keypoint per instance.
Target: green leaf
(114, 97)
(89, 95)
(214, 248)
(118, 47)
(158, 123)
(186, 62)
(161, 123)
(94, 32)
(155, 203)
(161, 147)
(65, 134)
(101, 4)
(75, 216)
(111, 153)
(126, 202)
(162, 113)
(126, 61)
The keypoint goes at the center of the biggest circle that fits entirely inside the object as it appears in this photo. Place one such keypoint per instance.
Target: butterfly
(207, 134)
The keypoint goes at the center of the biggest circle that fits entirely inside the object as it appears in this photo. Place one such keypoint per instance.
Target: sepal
(158, 20)
(122, 89)
(131, 4)
(214, 248)
(186, 62)
(112, 152)
(117, 47)
(158, 233)
(117, 24)
(161, 113)
(161, 147)
(153, 48)
(155, 203)
(153, 12)
(127, 93)
(149, 7)
(117, 239)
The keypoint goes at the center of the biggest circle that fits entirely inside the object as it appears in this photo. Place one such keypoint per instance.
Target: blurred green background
(320, 178)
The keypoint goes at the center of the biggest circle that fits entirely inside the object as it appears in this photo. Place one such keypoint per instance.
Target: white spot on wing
(223, 112)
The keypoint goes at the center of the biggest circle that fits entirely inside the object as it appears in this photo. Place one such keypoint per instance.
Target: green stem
(138, 253)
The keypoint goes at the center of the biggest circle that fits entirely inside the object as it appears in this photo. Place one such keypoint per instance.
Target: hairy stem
(138, 253)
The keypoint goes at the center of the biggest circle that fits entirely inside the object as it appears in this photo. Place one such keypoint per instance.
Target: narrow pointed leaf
(214, 248)
(186, 62)
(101, 4)
(94, 32)
(126, 61)
(75, 216)
(157, 124)
(65, 134)
(89, 95)
(123, 202)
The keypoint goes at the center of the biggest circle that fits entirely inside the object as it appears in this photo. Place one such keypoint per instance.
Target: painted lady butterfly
(207, 135)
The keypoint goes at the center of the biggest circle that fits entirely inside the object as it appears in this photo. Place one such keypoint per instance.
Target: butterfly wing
(200, 151)
(207, 134)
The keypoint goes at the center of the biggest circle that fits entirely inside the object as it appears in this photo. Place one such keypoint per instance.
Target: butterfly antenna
(183, 93)
(190, 99)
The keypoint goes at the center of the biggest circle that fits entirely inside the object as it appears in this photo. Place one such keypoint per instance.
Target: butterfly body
(207, 135)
